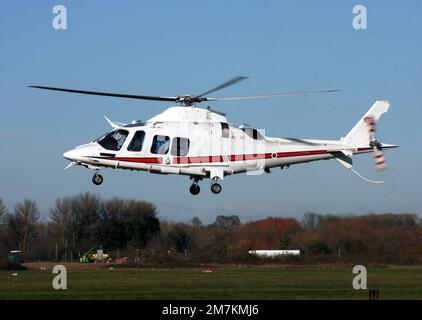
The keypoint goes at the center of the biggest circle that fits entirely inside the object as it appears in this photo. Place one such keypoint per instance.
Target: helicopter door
(180, 147)
(225, 141)
(136, 144)
(212, 147)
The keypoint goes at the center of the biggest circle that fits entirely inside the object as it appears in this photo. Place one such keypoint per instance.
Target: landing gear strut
(194, 188)
(215, 187)
(97, 179)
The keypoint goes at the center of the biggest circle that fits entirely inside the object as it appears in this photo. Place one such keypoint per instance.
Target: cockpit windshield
(113, 140)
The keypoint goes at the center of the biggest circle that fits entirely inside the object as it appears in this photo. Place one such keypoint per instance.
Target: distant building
(274, 253)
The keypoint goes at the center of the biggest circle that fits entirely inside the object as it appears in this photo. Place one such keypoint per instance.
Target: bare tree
(227, 222)
(23, 223)
(196, 222)
(115, 208)
(3, 212)
(60, 225)
(4, 248)
(73, 220)
(312, 220)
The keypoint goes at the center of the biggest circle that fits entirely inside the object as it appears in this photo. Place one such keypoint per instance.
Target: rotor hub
(188, 100)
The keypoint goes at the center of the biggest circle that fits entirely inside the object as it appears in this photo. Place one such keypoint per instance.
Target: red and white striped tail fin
(380, 163)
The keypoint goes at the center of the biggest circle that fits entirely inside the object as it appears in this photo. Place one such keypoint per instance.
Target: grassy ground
(245, 283)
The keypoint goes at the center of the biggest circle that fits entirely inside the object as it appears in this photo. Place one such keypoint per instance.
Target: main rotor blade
(119, 95)
(285, 94)
(223, 85)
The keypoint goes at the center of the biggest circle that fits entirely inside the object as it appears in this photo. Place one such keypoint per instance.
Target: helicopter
(201, 143)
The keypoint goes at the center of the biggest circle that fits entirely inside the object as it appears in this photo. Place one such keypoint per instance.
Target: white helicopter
(201, 143)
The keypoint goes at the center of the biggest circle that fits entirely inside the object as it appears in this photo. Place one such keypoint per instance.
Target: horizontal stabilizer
(343, 159)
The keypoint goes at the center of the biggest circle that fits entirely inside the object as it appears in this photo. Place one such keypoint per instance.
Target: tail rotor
(380, 163)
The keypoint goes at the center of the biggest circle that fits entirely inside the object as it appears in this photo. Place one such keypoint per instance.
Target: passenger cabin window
(114, 140)
(160, 144)
(180, 147)
(225, 131)
(137, 141)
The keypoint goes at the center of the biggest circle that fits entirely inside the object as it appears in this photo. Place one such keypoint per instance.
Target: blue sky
(178, 47)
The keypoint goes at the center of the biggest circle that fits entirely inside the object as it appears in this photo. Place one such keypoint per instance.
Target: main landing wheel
(216, 188)
(194, 189)
(97, 179)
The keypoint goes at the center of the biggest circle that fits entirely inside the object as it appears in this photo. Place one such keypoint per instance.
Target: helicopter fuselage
(200, 143)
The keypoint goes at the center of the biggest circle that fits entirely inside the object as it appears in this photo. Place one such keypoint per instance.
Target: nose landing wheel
(194, 189)
(97, 179)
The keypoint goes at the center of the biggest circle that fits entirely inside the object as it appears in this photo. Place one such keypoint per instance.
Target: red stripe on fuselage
(244, 157)
(138, 160)
(232, 158)
(300, 153)
(200, 159)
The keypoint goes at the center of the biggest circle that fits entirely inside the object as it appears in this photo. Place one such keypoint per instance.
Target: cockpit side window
(114, 140)
(160, 144)
(180, 147)
(137, 141)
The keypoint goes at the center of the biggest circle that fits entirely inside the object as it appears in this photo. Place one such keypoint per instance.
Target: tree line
(132, 228)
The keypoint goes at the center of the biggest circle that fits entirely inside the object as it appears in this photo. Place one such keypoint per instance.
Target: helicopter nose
(70, 155)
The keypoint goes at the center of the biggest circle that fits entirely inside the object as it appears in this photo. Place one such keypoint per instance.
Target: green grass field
(243, 283)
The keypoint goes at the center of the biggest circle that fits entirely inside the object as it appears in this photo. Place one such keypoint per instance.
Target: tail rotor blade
(380, 163)
(370, 122)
